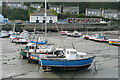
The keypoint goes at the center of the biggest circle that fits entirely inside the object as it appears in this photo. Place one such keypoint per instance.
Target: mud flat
(106, 60)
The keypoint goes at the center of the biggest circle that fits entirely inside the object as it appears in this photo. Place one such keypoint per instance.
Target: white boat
(4, 34)
(74, 34)
(64, 32)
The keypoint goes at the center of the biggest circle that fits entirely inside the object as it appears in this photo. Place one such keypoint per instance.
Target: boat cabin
(32, 47)
(73, 54)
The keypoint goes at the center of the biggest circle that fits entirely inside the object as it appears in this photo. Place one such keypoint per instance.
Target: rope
(59, 32)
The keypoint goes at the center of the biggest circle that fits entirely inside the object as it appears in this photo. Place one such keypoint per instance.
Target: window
(67, 52)
(43, 17)
(50, 17)
(50, 21)
(57, 8)
(89, 12)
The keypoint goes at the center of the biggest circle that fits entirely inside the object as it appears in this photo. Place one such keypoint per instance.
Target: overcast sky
(61, 0)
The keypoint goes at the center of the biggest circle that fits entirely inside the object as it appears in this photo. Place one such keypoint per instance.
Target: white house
(93, 12)
(72, 9)
(111, 14)
(37, 6)
(16, 5)
(40, 18)
(57, 8)
(107, 13)
(3, 20)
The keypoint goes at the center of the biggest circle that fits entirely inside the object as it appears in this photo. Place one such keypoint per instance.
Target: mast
(14, 27)
(46, 20)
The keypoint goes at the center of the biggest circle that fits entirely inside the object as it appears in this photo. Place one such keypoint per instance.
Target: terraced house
(57, 8)
(16, 5)
(106, 13)
(72, 9)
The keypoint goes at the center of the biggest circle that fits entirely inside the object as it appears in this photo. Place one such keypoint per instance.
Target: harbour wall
(70, 27)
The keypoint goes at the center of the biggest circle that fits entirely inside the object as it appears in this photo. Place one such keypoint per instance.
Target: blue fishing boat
(101, 38)
(71, 59)
(39, 42)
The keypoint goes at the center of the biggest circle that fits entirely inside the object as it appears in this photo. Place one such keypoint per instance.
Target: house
(57, 8)
(3, 20)
(72, 10)
(0, 3)
(93, 12)
(111, 14)
(40, 18)
(107, 13)
(37, 6)
(16, 5)
(84, 20)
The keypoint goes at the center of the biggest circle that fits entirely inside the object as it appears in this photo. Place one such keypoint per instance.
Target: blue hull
(44, 42)
(66, 63)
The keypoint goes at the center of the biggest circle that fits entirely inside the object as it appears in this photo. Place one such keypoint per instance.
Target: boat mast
(14, 27)
(45, 20)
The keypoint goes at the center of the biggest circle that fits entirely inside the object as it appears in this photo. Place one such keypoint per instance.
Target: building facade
(37, 6)
(107, 13)
(72, 10)
(3, 20)
(93, 12)
(111, 14)
(57, 8)
(84, 20)
(16, 5)
(40, 18)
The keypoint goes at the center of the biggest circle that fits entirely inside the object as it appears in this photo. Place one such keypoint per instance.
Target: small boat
(31, 49)
(92, 38)
(39, 42)
(4, 34)
(64, 32)
(101, 38)
(85, 37)
(20, 40)
(74, 34)
(23, 38)
(69, 34)
(71, 59)
(114, 41)
(98, 38)
(117, 43)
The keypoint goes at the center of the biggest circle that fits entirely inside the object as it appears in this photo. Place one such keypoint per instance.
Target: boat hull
(43, 42)
(62, 63)
(114, 43)
(20, 42)
(102, 41)
(24, 54)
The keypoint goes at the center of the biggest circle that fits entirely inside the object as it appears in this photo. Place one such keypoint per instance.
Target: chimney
(86, 12)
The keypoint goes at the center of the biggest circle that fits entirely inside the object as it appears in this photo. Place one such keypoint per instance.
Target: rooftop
(93, 9)
(110, 10)
(54, 5)
(70, 7)
(41, 14)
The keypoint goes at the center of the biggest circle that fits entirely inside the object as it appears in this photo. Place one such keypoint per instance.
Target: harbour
(59, 40)
(106, 60)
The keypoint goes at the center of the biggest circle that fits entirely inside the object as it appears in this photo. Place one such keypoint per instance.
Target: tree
(18, 14)
(53, 12)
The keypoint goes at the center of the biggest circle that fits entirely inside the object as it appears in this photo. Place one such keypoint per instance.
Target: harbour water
(106, 59)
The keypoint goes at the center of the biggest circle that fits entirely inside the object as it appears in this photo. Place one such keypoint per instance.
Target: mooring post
(95, 68)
